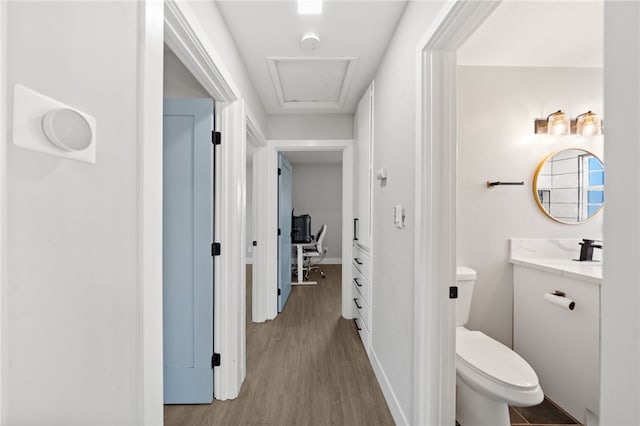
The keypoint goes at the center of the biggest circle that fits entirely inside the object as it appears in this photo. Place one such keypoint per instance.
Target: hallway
(307, 367)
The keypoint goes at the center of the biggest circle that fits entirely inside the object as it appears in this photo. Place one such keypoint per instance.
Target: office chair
(317, 251)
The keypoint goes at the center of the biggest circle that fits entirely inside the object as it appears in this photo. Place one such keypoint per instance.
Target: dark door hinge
(279, 232)
(453, 292)
(215, 360)
(255, 243)
(216, 138)
(279, 292)
(215, 249)
(279, 171)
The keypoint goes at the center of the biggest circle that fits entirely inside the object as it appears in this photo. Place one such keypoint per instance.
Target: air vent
(303, 83)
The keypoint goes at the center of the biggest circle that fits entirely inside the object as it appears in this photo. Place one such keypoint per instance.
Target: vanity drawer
(361, 261)
(361, 285)
(361, 309)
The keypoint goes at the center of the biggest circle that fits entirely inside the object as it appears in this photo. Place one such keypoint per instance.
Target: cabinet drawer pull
(357, 261)
(355, 300)
(355, 321)
(355, 280)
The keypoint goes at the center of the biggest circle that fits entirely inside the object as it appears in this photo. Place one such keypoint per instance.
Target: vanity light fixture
(557, 123)
(588, 124)
(309, 7)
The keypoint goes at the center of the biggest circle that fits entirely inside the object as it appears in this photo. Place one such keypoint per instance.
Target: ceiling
(328, 79)
(539, 33)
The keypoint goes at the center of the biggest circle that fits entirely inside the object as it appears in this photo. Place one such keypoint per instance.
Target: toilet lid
(494, 360)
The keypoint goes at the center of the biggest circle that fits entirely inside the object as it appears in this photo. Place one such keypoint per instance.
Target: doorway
(266, 168)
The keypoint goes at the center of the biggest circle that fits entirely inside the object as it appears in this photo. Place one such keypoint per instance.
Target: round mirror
(569, 185)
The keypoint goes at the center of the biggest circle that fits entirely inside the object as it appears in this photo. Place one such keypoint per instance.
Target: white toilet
(489, 375)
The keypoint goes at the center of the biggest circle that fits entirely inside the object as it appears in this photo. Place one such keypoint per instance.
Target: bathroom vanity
(561, 344)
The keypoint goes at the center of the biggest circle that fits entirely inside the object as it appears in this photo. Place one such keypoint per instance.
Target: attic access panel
(304, 83)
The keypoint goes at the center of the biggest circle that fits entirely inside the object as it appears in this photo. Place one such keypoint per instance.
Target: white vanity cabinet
(362, 247)
(561, 345)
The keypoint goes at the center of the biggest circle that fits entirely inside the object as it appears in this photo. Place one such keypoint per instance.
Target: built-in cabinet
(362, 222)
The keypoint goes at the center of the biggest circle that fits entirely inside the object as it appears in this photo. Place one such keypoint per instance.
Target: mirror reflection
(569, 185)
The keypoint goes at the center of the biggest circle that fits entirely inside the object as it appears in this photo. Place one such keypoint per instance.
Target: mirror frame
(535, 186)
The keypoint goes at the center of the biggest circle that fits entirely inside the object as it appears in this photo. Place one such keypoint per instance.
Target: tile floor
(547, 413)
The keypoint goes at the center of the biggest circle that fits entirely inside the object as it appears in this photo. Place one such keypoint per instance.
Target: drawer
(361, 310)
(361, 261)
(365, 335)
(362, 286)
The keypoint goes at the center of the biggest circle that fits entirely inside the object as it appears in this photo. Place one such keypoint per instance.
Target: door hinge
(216, 138)
(215, 360)
(215, 249)
(279, 232)
(453, 292)
(279, 171)
(279, 292)
(255, 244)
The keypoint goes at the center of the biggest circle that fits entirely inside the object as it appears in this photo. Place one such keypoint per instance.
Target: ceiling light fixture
(309, 7)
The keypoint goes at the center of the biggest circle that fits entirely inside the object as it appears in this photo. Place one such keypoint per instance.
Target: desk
(300, 248)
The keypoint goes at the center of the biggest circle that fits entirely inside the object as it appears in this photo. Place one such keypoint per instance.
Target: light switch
(398, 216)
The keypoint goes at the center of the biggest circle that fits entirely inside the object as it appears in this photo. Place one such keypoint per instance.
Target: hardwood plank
(307, 367)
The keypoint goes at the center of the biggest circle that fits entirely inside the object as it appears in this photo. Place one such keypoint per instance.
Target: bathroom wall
(310, 126)
(497, 106)
(317, 191)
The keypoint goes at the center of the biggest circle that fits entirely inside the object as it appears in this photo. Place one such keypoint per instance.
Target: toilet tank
(465, 280)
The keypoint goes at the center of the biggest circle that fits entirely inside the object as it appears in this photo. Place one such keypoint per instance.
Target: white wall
(496, 109)
(310, 126)
(72, 342)
(317, 191)
(212, 22)
(178, 80)
(393, 266)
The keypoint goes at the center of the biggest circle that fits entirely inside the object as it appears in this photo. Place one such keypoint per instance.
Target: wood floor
(307, 367)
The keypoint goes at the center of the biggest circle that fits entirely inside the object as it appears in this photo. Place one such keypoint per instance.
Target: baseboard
(392, 401)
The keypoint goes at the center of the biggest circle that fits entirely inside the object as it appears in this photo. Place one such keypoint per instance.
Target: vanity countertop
(585, 271)
(555, 256)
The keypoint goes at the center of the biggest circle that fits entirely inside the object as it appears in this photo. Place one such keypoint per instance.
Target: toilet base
(476, 409)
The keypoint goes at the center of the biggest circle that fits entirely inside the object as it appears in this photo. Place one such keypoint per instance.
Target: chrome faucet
(586, 251)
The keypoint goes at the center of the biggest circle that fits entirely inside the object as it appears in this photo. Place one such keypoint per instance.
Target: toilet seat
(493, 368)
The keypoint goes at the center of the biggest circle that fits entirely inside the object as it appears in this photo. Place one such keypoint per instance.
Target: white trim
(185, 36)
(3, 183)
(149, 257)
(265, 170)
(230, 306)
(435, 253)
(390, 397)
(254, 132)
(620, 294)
